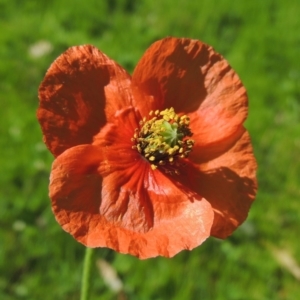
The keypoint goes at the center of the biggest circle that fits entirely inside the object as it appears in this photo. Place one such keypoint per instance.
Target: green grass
(261, 41)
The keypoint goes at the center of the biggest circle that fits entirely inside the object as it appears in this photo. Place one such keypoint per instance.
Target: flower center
(163, 141)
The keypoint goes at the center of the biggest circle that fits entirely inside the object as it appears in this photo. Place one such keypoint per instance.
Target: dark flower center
(162, 140)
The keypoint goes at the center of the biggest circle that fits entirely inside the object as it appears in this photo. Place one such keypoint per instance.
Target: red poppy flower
(150, 164)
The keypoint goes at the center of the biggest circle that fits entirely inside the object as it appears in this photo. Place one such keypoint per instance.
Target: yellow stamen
(163, 139)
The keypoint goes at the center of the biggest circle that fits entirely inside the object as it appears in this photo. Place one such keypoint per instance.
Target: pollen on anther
(153, 167)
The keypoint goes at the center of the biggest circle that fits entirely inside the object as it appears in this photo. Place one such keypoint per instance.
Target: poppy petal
(191, 77)
(104, 202)
(75, 191)
(81, 92)
(228, 182)
(168, 237)
(220, 116)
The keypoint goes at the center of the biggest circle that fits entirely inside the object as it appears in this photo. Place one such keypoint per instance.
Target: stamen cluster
(163, 139)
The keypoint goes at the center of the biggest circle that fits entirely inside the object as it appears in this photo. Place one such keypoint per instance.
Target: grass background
(261, 41)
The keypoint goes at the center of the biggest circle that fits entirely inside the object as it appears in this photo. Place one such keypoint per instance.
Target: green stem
(86, 275)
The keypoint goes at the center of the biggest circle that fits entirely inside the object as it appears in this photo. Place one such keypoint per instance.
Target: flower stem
(86, 275)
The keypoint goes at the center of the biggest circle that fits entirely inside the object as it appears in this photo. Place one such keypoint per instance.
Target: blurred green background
(261, 40)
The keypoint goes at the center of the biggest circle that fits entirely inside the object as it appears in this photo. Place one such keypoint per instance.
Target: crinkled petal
(228, 182)
(107, 195)
(166, 238)
(81, 92)
(191, 77)
(75, 191)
